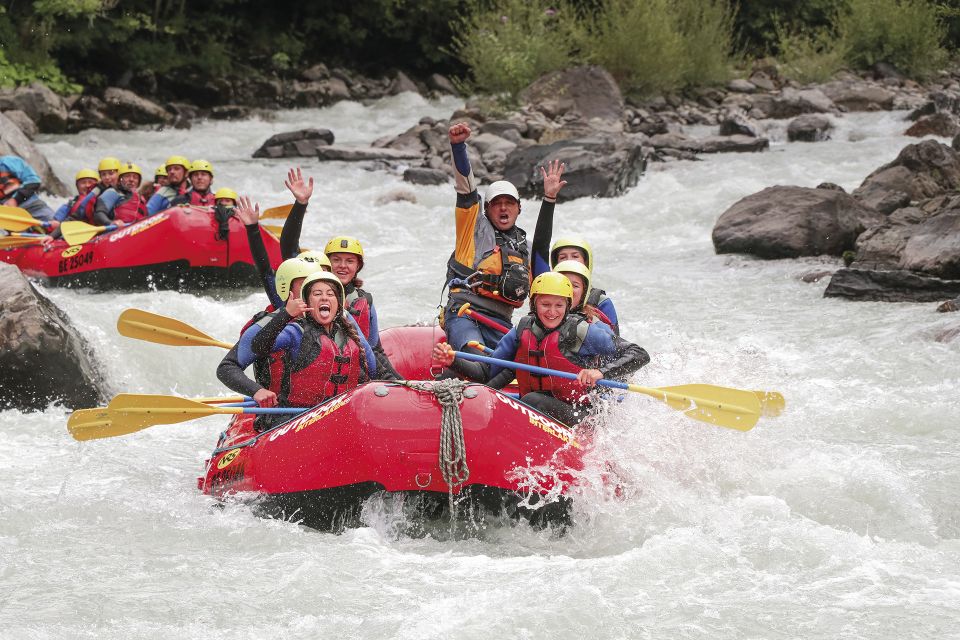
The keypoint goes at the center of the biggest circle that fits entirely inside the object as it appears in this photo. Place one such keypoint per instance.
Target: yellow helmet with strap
(290, 270)
(344, 244)
(129, 167)
(160, 171)
(577, 267)
(86, 173)
(335, 284)
(109, 164)
(226, 192)
(177, 160)
(201, 165)
(575, 242)
(316, 256)
(552, 283)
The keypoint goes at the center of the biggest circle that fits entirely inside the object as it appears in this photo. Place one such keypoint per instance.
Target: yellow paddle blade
(16, 219)
(130, 412)
(7, 242)
(277, 212)
(722, 406)
(151, 327)
(219, 400)
(89, 424)
(772, 403)
(76, 232)
(274, 229)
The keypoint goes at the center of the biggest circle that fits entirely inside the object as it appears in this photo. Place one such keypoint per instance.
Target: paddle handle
(465, 310)
(541, 370)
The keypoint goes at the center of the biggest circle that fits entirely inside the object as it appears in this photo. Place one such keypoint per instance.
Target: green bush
(14, 74)
(809, 56)
(905, 33)
(511, 45)
(706, 27)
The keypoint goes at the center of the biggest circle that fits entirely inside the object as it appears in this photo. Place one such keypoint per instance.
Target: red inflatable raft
(176, 248)
(320, 467)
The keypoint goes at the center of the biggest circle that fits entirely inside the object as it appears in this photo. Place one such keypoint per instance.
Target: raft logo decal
(71, 251)
(138, 227)
(74, 260)
(308, 419)
(229, 457)
(546, 425)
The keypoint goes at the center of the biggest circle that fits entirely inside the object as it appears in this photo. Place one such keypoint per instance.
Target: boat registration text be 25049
(74, 261)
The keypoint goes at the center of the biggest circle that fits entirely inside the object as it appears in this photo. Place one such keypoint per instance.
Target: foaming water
(838, 519)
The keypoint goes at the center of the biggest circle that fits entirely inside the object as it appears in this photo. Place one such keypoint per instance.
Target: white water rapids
(839, 519)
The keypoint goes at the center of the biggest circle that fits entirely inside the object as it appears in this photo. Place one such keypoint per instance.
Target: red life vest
(268, 372)
(542, 348)
(132, 209)
(359, 303)
(198, 199)
(87, 214)
(322, 369)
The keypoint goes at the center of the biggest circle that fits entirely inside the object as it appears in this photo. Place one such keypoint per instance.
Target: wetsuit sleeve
(25, 191)
(63, 211)
(272, 337)
(370, 356)
(231, 373)
(540, 251)
(105, 204)
(506, 350)
(621, 358)
(468, 205)
(290, 235)
(611, 312)
(262, 261)
(157, 203)
(374, 337)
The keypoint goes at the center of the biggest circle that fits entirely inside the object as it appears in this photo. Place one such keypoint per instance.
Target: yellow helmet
(176, 160)
(226, 192)
(577, 243)
(201, 165)
(552, 283)
(316, 256)
(108, 164)
(129, 167)
(86, 173)
(160, 171)
(344, 244)
(577, 267)
(325, 276)
(290, 270)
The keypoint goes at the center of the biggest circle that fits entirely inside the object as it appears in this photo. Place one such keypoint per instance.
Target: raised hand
(247, 212)
(296, 307)
(552, 182)
(459, 132)
(301, 189)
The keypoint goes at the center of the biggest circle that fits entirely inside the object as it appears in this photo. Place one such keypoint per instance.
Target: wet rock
(921, 170)
(601, 166)
(402, 83)
(441, 84)
(23, 122)
(944, 125)
(831, 186)
(949, 306)
(809, 128)
(359, 154)
(42, 357)
(230, 112)
(41, 104)
(812, 277)
(590, 91)
(859, 96)
(916, 240)
(739, 124)
(789, 222)
(889, 286)
(947, 335)
(763, 81)
(317, 72)
(90, 112)
(791, 103)
(399, 194)
(425, 175)
(293, 144)
(739, 85)
(709, 144)
(14, 142)
(319, 93)
(126, 105)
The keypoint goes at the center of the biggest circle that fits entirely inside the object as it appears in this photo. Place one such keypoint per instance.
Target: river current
(839, 519)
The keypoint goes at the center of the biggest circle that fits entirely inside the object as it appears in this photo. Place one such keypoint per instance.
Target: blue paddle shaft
(276, 410)
(529, 367)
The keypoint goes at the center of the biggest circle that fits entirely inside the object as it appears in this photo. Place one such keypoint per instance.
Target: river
(839, 519)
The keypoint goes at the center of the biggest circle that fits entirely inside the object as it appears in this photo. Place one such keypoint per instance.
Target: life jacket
(502, 274)
(268, 372)
(548, 349)
(325, 366)
(198, 199)
(8, 183)
(359, 304)
(132, 209)
(75, 213)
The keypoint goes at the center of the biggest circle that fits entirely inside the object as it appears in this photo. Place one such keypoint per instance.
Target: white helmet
(502, 188)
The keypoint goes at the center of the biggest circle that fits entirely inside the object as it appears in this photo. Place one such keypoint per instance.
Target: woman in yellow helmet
(552, 337)
(177, 185)
(579, 276)
(578, 249)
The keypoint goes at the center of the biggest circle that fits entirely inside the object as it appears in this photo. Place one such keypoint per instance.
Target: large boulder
(858, 96)
(809, 127)
(791, 103)
(709, 144)
(789, 222)
(921, 170)
(44, 107)
(292, 144)
(361, 154)
(42, 357)
(589, 91)
(942, 124)
(889, 286)
(601, 166)
(126, 105)
(23, 122)
(14, 142)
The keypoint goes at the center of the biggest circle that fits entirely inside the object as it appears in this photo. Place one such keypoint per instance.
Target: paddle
(151, 327)
(17, 219)
(76, 232)
(721, 406)
(7, 242)
(465, 310)
(277, 212)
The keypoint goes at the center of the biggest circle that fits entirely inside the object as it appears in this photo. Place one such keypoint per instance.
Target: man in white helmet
(490, 265)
